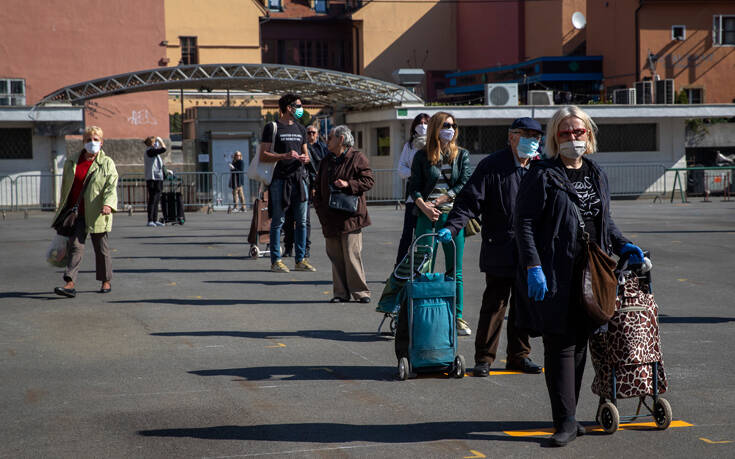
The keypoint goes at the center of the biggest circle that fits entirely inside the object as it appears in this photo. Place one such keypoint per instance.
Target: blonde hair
(551, 148)
(433, 144)
(93, 130)
(149, 140)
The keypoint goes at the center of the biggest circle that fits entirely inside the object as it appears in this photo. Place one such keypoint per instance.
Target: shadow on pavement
(664, 319)
(322, 432)
(306, 373)
(216, 302)
(46, 295)
(335, 335)
(165, 258)
(286, 282)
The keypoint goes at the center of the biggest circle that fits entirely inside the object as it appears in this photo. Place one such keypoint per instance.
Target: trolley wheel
(254, 252)
(459, 367)
(662, 413)
(608, 417)
(403, 369)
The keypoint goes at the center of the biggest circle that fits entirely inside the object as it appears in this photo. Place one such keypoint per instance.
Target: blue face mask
(298, 113)
(527, 147)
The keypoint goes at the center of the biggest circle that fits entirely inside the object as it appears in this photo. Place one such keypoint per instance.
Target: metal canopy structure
(316, 86)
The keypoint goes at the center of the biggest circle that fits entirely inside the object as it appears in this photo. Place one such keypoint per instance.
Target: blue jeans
(298, 209)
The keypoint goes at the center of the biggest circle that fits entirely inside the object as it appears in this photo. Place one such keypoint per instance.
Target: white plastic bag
(262, 172)
(58, 251)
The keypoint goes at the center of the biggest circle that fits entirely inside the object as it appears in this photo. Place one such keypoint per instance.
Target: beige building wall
(406, 34)
(227, 31)
(549, 30)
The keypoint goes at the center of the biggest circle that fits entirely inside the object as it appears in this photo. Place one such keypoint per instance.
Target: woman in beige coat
(98, 202)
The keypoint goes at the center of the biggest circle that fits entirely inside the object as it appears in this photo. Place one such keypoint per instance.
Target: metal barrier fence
(211, 190)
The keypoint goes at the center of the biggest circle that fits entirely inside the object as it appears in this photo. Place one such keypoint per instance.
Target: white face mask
(573, 149)
(93, 147)
(446, 135)
(420, 129)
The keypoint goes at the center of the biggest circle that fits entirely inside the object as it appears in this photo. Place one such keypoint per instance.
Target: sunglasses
(296, 105)
(569, 133)
(311, 132)
(449, 126)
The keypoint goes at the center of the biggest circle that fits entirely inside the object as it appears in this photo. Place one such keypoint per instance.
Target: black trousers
(498, 297)
(409, 224)
(288, 228)
(155, 188)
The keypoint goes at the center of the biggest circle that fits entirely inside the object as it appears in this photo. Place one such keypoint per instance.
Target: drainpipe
(638, 42)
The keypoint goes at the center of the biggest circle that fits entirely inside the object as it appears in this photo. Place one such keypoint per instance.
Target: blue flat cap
(527, 123)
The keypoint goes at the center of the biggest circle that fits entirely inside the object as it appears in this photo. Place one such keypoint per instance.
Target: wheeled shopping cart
(627, 356)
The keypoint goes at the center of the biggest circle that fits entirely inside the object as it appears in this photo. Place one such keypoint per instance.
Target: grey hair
(343, 131)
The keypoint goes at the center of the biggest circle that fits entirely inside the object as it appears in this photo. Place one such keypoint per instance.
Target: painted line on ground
(713, 442)
(628, 426)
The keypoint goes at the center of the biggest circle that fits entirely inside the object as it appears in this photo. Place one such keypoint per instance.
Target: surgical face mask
(93, 147)
(527, 147)
(298, 113)
(420, 129)
(446, 135)
(573, 149)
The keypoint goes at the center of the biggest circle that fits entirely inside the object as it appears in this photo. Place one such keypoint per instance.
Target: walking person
(345, 170)
(416, 142)
(438, 173)
(552, 255)
(284, 142)
(98, 202)
(237, 179)
(154, 175)
(491, 195)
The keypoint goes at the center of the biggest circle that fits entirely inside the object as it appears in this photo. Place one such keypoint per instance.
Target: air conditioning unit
(501, 94)
(644, 92)
(540, 97)
(664, 91)
(624, 96)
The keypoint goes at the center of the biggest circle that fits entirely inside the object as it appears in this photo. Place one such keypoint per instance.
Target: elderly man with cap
(490, 195)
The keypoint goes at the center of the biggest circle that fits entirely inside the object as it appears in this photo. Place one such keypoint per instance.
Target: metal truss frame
(315, 86)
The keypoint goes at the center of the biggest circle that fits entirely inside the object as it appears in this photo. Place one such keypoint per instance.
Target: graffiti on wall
(142, 117)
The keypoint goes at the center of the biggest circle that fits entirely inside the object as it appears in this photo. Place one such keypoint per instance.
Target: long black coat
(491, 194)
(547, 228)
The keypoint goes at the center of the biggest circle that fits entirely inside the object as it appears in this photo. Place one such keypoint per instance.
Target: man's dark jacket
(491, 194)
(546, 227)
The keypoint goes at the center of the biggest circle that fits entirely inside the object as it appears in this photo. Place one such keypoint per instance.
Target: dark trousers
(102, 260)
(409, 223)
(499, 295)
(155, 187)
(288, 228)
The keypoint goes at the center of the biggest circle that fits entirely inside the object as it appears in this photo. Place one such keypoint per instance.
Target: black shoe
(337, 299)
(524, 365)
(67, 292)
(565, 433)
(481, 370)
(106, 290)
(580, 429)
(364, 299)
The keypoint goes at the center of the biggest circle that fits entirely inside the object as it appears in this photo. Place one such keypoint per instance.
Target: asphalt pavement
(200, 351)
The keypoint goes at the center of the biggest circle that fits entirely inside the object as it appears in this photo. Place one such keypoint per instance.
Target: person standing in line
(416, 142)
(237, 168)
(491, 194)
(317, 151)
(560, 199)
(348, 171)
(288, 191)
(98, 202)
(438, 173)
(154, 176)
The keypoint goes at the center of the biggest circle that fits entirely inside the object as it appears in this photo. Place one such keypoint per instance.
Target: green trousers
(423, 226)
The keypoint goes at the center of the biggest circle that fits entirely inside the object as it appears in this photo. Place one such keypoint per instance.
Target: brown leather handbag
(599, 282)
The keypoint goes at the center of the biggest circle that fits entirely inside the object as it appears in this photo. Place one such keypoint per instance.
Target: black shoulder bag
(64, 223)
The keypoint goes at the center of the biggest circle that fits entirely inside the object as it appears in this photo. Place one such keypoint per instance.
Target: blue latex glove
(636, 254)
(536, 283)
(444, 235)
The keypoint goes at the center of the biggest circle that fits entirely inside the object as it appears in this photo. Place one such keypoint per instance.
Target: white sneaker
(159, 224)
(151, 223)
(463, 329)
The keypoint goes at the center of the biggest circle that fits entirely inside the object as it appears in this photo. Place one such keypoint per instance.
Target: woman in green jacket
(438, 173)
(98, 202)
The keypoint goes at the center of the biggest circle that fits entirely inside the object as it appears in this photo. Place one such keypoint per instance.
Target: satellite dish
(579, 21)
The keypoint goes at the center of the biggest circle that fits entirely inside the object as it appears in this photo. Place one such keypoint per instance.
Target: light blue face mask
(298, 113)
(527, 147)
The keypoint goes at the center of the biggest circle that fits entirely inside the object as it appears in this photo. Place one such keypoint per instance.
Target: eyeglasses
(449, 126)
(576, 132)
(528, 134)
(311, 132)
(296, 105)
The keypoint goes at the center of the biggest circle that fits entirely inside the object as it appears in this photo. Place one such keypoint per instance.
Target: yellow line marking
(231, 255)
(477, 454)
(628, 426)
(277, 345)
(682, 280)
(712, 442)
(210, 246)
(114, 250)
(198, 297)
(326, 292)
(171, 284)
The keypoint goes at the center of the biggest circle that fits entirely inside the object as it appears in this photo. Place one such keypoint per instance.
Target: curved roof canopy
(318, 86)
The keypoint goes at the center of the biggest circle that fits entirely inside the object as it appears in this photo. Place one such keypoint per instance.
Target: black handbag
(64, 223)
(341, 201)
